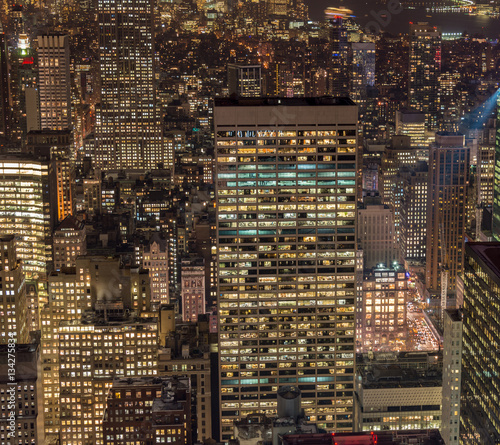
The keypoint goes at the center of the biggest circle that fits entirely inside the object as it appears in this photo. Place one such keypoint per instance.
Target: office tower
(485, 174)
(424, 70)
(25, 211)
(376, 233)
(381, 316)
(187, 351)
(412, 123)
(56, 147)
(125, 348)
(25, 95)
(54, 81)
(25, 388)
(413, 213)
(244, 80)
(286, 250)
(479, 408)
(400, 393)
(14, 312)
(5, 94)
(396, 155)
(278, 7)
(157, 410)
(340, 62)
(64, 304)
(496, 183)
(104, 292)
(69, 242)
(446, 205)
(193, 288)
(452, 369)
(155, 259)
(128, 127)
(363, 71)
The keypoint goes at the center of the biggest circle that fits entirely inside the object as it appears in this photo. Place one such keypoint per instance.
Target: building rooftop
(71, 223)
(489, 254)
(454, 314)
(290, 102)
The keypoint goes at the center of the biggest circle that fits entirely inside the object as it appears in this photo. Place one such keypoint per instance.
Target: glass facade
(480, 397)
(286, 224)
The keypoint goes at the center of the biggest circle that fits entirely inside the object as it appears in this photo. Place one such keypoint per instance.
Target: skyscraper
(5, 96)
(452, 362)
(128, 129)
(55, 82)
(448, 179)
(340, 62)
(424, 70)
(479, 410)
(363, 70)
(244, 80)
(496, 183)
(286, 222)
(278, 7)
(25, 210)
(412, 123)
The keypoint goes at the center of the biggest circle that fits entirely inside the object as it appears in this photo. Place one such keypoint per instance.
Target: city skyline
(249, 222)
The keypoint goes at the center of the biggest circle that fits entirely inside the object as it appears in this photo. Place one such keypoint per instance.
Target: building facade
(446, 210)
(452, 373)
(381, 316)
(424, 71)
(128, 127)
(479, 409)
(54, 82)
(286, 246)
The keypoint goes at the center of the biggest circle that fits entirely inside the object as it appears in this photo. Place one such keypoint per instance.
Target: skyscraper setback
(128, 130)
(286, 213)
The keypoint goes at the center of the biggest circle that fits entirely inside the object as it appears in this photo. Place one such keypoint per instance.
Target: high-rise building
(56, 147)
(125, 349)
(155, 259)
(54, 81)
(278, 7)
(340, 62)
(128, 127)
(496, 183)
(381, 314)
(135, 406)
(413, 184)
(377, 233)
(452, 369)
(104, 292)
(244, 80)
(363, 71)
(424, 70)
(25, 210)
(193, 288)
(396, 155)
(480, 389)
(446, 215)
(14, 311)
(5, 94)
(25, 94)
(286, 251)
(23, 388)
(69, 242)
(412, 123)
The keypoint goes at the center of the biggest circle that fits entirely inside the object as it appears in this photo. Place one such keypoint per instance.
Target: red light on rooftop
(28, 61)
